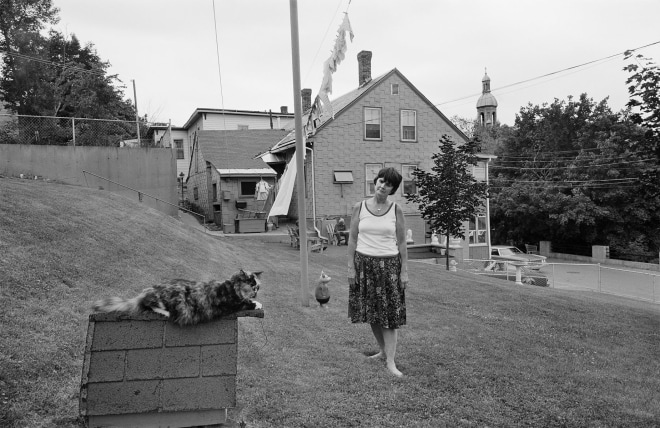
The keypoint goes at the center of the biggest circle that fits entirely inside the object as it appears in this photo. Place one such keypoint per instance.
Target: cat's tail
(117, 304)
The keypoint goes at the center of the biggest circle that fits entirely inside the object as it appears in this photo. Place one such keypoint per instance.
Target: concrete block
(107, 366)
(127, 335)
(122, 397)
(211, 333)
(162, 363)
(217, 392)
(218, 360)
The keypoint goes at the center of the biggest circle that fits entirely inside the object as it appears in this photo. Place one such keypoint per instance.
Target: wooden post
(300, 153)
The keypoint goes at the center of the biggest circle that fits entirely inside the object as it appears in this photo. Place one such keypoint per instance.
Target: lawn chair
(531, 249)
(332, 238)
(317, 242)
(293, 235)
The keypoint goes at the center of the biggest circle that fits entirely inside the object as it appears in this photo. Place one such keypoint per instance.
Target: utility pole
(137, 117)
(300, 153)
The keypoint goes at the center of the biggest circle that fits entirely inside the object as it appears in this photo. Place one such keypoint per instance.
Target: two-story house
(181, 139)
(385, 121)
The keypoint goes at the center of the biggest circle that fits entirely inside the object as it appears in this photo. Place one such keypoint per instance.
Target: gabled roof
(233, 151)
(343, 102)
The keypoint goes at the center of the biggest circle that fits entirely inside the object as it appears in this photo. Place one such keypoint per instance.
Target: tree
(54, 75)
(20, 24)
(449, 195)
(571, 172)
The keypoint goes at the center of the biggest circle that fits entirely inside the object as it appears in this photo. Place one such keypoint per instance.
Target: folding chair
(531, 249)
(332, 238)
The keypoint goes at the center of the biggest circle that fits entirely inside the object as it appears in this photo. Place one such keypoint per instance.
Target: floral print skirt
(377, 297)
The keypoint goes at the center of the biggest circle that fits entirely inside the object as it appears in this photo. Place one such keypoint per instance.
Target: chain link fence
(634, 284)
(71, 131)
(530, 275)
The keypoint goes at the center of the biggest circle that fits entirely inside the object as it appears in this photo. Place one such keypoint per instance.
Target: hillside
(475, 352)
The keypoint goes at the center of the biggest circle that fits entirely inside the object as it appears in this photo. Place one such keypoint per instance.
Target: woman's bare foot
(392, 368)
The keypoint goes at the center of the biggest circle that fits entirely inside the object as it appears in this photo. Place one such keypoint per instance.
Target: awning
(285, 191)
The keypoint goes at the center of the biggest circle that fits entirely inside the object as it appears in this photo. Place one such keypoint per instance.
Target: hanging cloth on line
(262, 190)
(285, 192)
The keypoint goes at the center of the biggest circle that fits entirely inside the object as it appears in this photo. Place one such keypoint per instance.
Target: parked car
(513, 254)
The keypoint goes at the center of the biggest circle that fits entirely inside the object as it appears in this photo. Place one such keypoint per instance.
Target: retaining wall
(151, 171)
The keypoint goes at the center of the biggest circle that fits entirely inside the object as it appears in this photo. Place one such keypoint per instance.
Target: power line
(47, 62)
(569, 167)
(552, 73)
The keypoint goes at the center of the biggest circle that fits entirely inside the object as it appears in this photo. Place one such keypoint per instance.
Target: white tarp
(285, 191)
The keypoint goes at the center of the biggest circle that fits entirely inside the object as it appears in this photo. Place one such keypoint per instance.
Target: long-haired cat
(188, 302)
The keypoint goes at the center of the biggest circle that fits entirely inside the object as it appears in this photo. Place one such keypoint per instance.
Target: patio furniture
(293, 235)
(332, 237)
(531, 249)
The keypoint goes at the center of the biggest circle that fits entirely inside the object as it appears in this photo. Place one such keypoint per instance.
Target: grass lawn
(476, 352)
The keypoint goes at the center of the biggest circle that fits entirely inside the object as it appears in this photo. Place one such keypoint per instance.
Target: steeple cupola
(487, 104)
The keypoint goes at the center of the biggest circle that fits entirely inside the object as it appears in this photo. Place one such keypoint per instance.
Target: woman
(378, 266)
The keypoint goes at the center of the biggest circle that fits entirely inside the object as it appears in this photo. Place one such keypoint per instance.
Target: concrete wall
(150, 171)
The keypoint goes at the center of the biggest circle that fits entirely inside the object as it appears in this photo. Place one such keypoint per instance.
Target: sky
(236, 54)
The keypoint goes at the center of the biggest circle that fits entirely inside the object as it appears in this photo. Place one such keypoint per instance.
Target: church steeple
(487, 104)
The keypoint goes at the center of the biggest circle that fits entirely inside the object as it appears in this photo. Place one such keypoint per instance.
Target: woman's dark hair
(391, 176)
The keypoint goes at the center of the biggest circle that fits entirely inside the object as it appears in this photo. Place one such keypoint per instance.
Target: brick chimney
(306, 99)
(364, 67)
(284, 109)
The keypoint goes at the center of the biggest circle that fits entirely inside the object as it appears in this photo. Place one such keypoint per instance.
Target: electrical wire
(48, 62)
(217, 53)
(553, 168)
(551, 74)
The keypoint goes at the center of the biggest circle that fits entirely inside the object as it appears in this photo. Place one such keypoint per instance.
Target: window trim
(380, 123)
(477, 230)
(240, 187)
(407, 140)
(370, 181)
(179, 149)
(403, 181)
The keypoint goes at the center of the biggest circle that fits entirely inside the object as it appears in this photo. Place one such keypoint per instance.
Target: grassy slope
(476, 352)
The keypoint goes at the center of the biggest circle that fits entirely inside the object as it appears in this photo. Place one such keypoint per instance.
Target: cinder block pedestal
(143, 371)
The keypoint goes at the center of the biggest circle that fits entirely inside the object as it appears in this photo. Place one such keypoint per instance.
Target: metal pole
(73, 128)
(300, 152)
(137, 117)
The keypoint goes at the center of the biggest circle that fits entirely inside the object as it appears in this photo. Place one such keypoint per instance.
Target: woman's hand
(351, 277)
(403, 280)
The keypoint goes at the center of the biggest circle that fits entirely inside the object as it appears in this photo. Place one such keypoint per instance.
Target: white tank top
(377, 233)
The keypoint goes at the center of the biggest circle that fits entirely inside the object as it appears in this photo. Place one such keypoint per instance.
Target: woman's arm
(352, 242)
(401, 242)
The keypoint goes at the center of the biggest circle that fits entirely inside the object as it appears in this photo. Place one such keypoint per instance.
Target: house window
(409, 186)
(215, 192)
(196, 193)
(477, 230)
(371, 172)
(178, 144)
(372, 123)
(408, 125)
(243, 127)
(395, 89)
(248, 188)
(479, 171)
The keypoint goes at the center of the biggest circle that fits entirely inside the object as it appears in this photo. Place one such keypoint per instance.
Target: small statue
(409, 238)
(322, 293)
